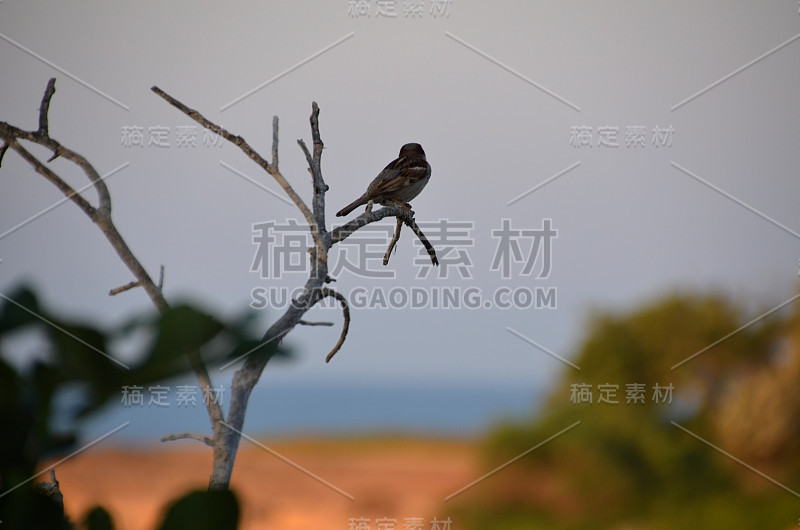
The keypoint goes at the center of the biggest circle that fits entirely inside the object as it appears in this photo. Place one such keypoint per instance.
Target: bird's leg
(369, 207)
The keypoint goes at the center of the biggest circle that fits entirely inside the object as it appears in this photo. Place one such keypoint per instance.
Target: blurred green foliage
(626, 465)
(203, 510)
(78, 355)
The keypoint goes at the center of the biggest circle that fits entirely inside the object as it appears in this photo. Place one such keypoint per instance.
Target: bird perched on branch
(398, 183)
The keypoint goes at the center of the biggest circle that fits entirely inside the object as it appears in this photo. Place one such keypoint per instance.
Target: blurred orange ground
(389, 478)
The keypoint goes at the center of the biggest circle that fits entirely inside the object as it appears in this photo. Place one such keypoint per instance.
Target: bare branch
(189, 436)
(100, 215)
(315, 136)
(318, 182)
(250, 152)
(47, 173)
(225, 441)
(340, 233)
(275, 143)
(44, 108)
(393, 242)
(409, 221)
(127, 287)
(245, 379)
(10, 133)
(307, 323)
(307, 153)
(3, 152)
(346, 313)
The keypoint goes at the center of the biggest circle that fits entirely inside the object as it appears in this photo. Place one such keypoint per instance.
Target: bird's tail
(352, 206)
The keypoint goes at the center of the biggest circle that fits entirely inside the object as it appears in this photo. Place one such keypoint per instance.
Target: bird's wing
(397, 175)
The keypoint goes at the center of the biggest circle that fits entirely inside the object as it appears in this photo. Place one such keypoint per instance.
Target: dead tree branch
(100, 215)
(189, 436)
(127, 287)
(393, 242)
(340, 233)
(227, 441)
(226, 431)
(240, 142)
(345, 313)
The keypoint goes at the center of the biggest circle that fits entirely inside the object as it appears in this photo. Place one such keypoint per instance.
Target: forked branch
(226, 433)
(242, 144)
(100, 214)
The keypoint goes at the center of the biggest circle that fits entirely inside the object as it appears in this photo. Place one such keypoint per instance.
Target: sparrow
(399, 182)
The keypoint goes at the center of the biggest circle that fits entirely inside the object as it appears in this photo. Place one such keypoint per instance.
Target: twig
(3, 152)
(244, 380)
(250, 152)
(307, 323)
(307, 154)
(346, 313)
(100, 215)
(318, 182)
(275, 142)
(52, 490)
(340, 233)
(409, 221)
(189, 436)
(44, 108)
(319, 212)
(47, 173)
(225, 441)
(41, 137)
(126, 287)
(393, 242)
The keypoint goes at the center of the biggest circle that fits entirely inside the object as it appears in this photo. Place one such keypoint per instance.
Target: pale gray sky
(490, 91)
